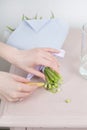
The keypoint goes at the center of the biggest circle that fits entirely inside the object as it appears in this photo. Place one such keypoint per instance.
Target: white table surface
(44, 109)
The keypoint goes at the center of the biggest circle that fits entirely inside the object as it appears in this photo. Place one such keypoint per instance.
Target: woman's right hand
(13, 87)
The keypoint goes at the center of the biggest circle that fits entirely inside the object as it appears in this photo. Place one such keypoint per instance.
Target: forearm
(8, 53)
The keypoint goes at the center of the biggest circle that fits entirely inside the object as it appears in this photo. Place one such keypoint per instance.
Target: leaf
(52, 15)
(35, 17)
(41, 17)
(23, 17)
(10, 28)
(27, 18)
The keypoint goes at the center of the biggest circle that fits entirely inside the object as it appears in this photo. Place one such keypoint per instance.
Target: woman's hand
(28, 59)
(13, 88)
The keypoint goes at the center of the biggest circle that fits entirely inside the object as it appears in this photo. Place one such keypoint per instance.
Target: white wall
(73, 11)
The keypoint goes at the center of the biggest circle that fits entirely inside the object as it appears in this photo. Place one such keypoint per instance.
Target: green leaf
(35, 17)
(27, 18)
(52, 15)
(10, 28)
(41, 17)
(23, 17)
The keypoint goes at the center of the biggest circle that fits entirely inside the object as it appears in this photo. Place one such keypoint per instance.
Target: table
(46, 110)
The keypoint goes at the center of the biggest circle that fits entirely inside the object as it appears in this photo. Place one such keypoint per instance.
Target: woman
(13, 87)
